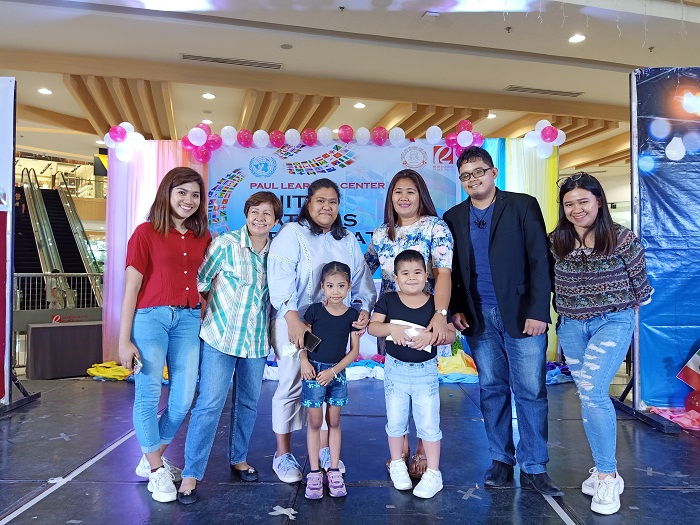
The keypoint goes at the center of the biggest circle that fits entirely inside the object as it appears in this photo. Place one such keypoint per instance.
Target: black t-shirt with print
(390, 305)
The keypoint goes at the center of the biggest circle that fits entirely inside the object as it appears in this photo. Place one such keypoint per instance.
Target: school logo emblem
(262, 166)
(443, 158)
(414, 157)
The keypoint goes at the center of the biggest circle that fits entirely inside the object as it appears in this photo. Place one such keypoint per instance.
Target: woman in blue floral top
(411, 223)
(600, 279)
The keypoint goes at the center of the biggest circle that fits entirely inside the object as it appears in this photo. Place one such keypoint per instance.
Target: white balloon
(397, 136)
(135, 138)
(228, 135)
(124, 151)
(675, 150)
(127, 126)
(362, 136)
(561, 137)
(465, 138)
(292, 137)
(261, 138)
(532, 139)
(541, 125)
(197, 136)
(544, 150)
(433, 135)
(109, 141)
(325, 136)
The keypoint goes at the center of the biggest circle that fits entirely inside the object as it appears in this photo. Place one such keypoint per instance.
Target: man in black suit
(501, 290)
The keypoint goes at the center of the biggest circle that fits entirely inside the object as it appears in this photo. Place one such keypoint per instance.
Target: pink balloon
(213, 142)
(451, 140)
(464, 125)
(205, 127)
(309, 137)
(549, 133)
(187, 144)
(117, 133)
(201, 154)
(245, 138)
(345, 133)
(478, 139)
(379, 135)
(277, 138)
(459, 149)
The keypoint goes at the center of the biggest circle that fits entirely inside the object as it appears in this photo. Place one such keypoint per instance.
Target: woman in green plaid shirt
(235, 341)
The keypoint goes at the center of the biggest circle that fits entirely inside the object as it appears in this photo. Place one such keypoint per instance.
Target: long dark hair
(564, 237)
(337, 229)
(160, 213)
(425, 208)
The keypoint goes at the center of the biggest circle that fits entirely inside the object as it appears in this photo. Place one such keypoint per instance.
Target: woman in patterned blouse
(411, 223)
(600, 279)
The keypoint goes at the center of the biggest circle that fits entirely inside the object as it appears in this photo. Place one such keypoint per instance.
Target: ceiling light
(206, 121)
(99, 142)
(45, 91)
(359, 105)
(577, 38)
(286, 46)
(491, 115)
(335, 130)
(209, 96)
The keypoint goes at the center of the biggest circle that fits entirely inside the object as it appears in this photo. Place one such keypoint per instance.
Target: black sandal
(249, 474)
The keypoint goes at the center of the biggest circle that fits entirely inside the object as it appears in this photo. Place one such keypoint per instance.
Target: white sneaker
(287, 468)
(588, 486)
(324, 459)
(429, 485)
(160, 483)
(399, 475)
(606, 499)
(143, 469)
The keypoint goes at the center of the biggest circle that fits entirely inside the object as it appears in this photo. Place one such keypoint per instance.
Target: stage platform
(70, 457)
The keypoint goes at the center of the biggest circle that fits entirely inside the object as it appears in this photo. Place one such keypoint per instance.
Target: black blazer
(519, 259)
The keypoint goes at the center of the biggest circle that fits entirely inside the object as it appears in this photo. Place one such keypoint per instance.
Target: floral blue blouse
(428, 235)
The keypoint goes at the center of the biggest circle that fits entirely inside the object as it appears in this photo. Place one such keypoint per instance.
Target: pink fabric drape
(132, 188)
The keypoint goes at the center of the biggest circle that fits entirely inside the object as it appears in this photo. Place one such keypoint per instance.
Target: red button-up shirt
(168, 265)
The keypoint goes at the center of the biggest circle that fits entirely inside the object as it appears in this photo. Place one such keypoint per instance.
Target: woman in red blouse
(160, 319)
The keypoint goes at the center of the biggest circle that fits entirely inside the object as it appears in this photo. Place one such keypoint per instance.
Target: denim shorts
(412, 386)
(334, 393)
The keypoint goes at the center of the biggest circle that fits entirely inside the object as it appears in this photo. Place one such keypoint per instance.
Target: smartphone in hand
(137, 365)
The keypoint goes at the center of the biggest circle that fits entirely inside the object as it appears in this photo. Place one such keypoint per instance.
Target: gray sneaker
(287, 468)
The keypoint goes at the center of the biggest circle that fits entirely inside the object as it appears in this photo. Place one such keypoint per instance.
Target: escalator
(27, 260)
(68, 250)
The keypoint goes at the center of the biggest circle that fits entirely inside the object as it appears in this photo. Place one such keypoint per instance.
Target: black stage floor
(70, 458)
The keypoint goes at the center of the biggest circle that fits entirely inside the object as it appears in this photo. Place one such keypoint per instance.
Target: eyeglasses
(477, 174)
(576, 176)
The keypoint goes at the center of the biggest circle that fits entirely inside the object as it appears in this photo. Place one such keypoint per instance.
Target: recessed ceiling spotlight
(577, 38)
(209, 96)
(45, 91)
(99, 142)
(287, 46)
(335, 130)
(359, 105)
(492, 115)
(206, 121)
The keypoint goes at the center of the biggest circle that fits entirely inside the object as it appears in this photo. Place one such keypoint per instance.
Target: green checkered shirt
(237, 316)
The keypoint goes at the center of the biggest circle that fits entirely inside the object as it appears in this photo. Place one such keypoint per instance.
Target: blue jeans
(594, 350)
(412, 386)
(507, 364)
(215, 374)
(164, 335)
(334, 393)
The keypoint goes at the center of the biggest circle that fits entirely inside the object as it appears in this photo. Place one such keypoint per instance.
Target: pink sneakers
(336, 484)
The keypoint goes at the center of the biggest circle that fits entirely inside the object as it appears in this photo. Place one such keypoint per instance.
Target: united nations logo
(414, 157)
(262, 166)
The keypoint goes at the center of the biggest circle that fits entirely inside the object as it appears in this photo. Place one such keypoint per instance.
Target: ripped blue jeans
(594, 350)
